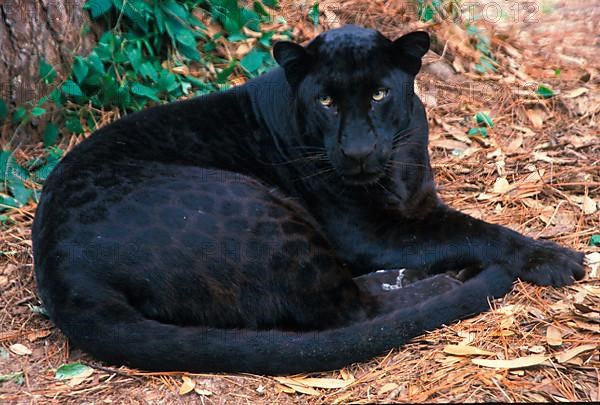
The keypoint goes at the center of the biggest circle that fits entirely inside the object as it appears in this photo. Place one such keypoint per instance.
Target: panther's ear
(409, 49)
(293, 58)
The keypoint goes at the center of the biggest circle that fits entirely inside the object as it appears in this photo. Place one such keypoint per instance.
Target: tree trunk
(31, 30)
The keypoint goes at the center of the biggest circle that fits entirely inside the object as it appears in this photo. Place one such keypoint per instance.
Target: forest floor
(537, 172)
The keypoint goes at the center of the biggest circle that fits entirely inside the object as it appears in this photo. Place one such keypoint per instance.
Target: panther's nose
(357, 151)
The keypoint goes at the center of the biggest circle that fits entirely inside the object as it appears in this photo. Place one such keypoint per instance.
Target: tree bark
(34, 29)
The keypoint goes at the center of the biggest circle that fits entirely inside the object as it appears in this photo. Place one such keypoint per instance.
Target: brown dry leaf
(20, 350)
(554, 336)
(514, 145)
(465, 350)
(448, 144)
(38, 334)
(346, 375)
(588, 205)
(520, 362)
(537, 349)
(387, 388)
(593, 260)
(296, 386)
(187, 386)
(286, 389)
(200, 391)
(84, 375)
(456, 133)
(576, 92)
(576, 351)
(536, 117)
(501, 186)
(328, 383)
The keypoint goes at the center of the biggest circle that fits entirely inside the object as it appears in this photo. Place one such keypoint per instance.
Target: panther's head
(354, 91)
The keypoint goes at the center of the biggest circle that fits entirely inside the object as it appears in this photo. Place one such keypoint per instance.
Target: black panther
(233, 232)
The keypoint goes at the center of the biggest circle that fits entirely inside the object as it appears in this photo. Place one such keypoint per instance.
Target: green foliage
(137, 61)
(3, 110)
(13, 192)
(68, 371)
(483, 121)
(16, 377)
(545, 91)
(313, 14)
(426, 9)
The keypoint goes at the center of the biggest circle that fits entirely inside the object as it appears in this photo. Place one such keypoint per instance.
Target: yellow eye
(326, 101)
(379, 94)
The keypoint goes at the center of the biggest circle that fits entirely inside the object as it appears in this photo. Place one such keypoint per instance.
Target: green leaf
(148, 71)
(483, 118)
(68, 371)
(185, 37)
(80, 69)
(38, 111)
(46, 72)
(145, 91)
(19, 114)
(483, 132)
(97, 7)
(18, 190)
(595, 240)
(7, 202)
(16, 377)
(557, 72)
(545, 91)
(50, 134)
(313, 14)
(223, 75)
(253, 60)
(70, 88)
(73, 124)
(3, 110)
(95, 63)
(14, 175)
(43, 172)
(271, 3)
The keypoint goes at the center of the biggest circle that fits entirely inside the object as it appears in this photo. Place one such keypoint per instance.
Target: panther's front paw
(547, 263)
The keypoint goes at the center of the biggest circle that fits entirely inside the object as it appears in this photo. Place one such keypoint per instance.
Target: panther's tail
(150, 345)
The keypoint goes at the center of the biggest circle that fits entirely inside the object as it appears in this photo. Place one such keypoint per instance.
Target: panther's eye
(326, 101)
(380, 94)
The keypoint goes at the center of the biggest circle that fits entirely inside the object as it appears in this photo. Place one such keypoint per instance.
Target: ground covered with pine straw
(537, 172)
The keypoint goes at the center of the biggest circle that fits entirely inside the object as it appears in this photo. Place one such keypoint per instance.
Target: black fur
(230, 232)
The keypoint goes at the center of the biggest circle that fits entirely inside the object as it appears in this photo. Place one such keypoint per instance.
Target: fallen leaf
(346, 375)
(188, 385)
(514, 145)
(465, 350)
(20, 350)
(329, 383)
(536, 117)
(576, 351)
(448, 144)
(554, 336)
(520, 362)
(74, 373)
(501, 185)
(576, 92)
(593, 260)
(38, 334)
(387, 388)
(589, 205)
(296, 386)
(537, 349)
(286, 389)
(200, 391)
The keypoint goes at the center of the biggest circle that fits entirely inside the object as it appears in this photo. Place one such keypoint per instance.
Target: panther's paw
(547, 263)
